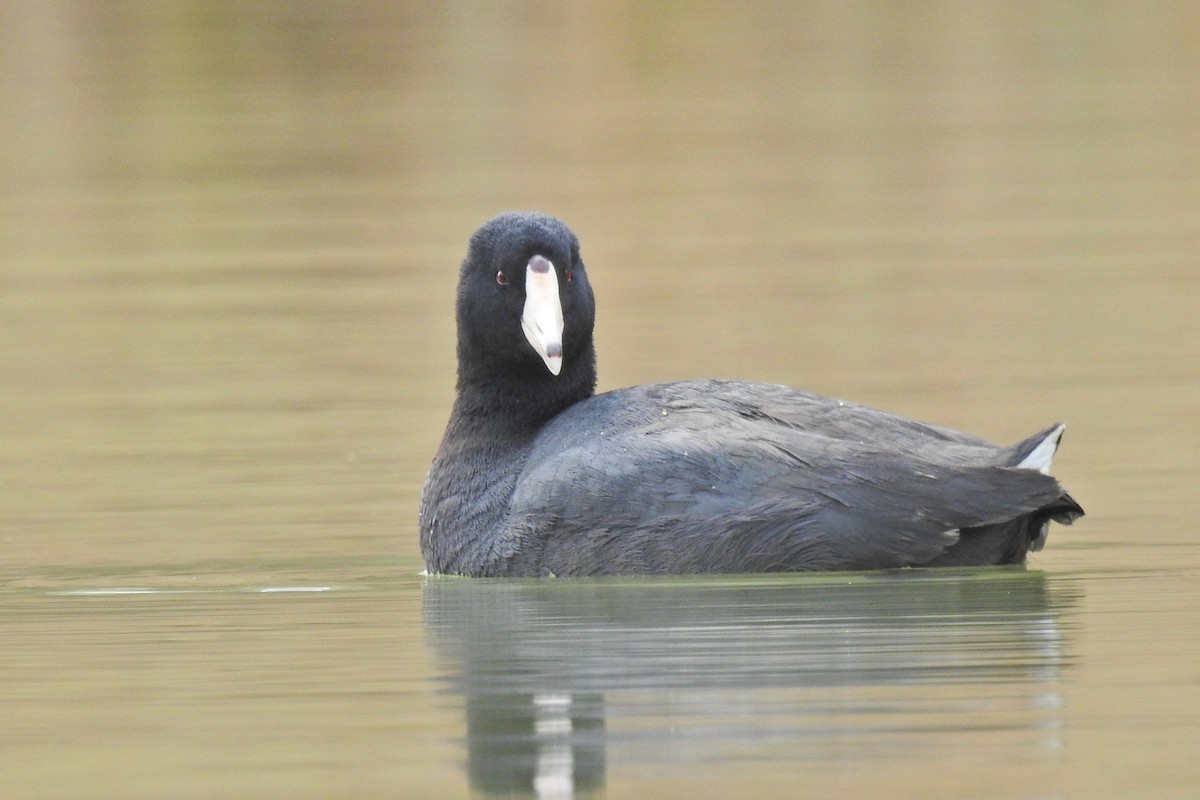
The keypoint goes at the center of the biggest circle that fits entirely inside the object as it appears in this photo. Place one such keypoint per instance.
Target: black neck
(517, 400)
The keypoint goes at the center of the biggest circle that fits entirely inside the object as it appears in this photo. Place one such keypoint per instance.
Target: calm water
(228, 241)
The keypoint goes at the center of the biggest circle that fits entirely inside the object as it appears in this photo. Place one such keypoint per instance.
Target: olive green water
(228, 242)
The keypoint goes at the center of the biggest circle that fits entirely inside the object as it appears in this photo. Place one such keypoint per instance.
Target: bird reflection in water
(724, 670)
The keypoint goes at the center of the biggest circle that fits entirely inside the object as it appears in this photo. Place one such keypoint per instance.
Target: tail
(1036, 453)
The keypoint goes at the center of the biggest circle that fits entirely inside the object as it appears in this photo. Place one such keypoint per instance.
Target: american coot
(537, 475)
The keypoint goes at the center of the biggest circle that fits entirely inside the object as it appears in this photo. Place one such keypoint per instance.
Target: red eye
(501, 278)
(570, 276)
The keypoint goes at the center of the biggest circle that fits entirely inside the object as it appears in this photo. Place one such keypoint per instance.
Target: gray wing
(729, 493)
(828, 417)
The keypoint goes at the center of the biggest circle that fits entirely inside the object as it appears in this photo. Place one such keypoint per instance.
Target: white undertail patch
(1040, 457)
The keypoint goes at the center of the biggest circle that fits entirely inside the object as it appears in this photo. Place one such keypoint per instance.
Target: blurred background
(229, 236)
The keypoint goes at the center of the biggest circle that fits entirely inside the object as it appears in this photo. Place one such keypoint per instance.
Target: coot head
(525, 313)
